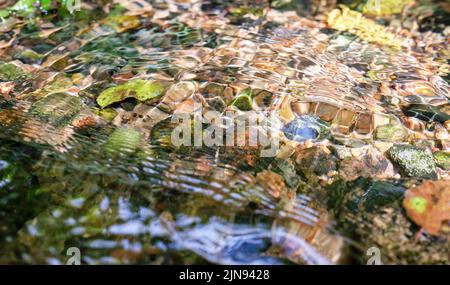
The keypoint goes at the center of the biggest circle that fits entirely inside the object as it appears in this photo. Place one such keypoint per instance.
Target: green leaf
(244, 100)
(142, 90)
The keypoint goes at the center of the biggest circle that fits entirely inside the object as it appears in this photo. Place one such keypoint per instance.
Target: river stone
(57, 109)
(307, 127)
(391, 133)
(286, 168)
(442, 159)
(363, 194)
(413, 161)
(426, 113)
(371, 163)
(11, 72)
(123, 140)
(315, 160)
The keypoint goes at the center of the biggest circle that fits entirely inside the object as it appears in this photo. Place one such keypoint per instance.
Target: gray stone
(413, 161)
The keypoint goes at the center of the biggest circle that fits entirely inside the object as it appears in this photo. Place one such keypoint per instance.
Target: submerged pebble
(123, 140)
(391, 133)
(414, 161)
(57, 109)
(344, 86)
(307, 127)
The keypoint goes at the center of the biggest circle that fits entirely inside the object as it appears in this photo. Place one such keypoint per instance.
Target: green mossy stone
(286, 168)
(391, 133)
(123, 140)
(11, 72)
(413, 161)
(57, 109)
(442, 159)
(381, 194)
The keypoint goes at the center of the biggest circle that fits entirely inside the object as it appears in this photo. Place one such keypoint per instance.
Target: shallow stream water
(109, 181)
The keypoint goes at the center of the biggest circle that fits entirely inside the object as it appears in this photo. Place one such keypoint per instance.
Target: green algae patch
(29, 55)
(418, 204)
(442, 159)
(11, 72)
(121, 23)
(142, 90)
(242, 11)
(26, 7)
(29, 7)
(366, 29)
(58, 85)
(108, 114)
(386, 7)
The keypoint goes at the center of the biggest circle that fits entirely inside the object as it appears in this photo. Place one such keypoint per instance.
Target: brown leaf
(428, 205)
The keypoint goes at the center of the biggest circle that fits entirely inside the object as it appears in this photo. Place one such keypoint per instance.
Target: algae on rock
(413, 161)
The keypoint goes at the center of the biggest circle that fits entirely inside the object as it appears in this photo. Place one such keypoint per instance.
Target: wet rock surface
(307, 128)
(57, 109)
(414, 161)
(391, 133)
(355, 97)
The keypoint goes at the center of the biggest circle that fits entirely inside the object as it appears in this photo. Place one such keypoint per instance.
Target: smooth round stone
(391, 133)
(306, 127)
(123, 140)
